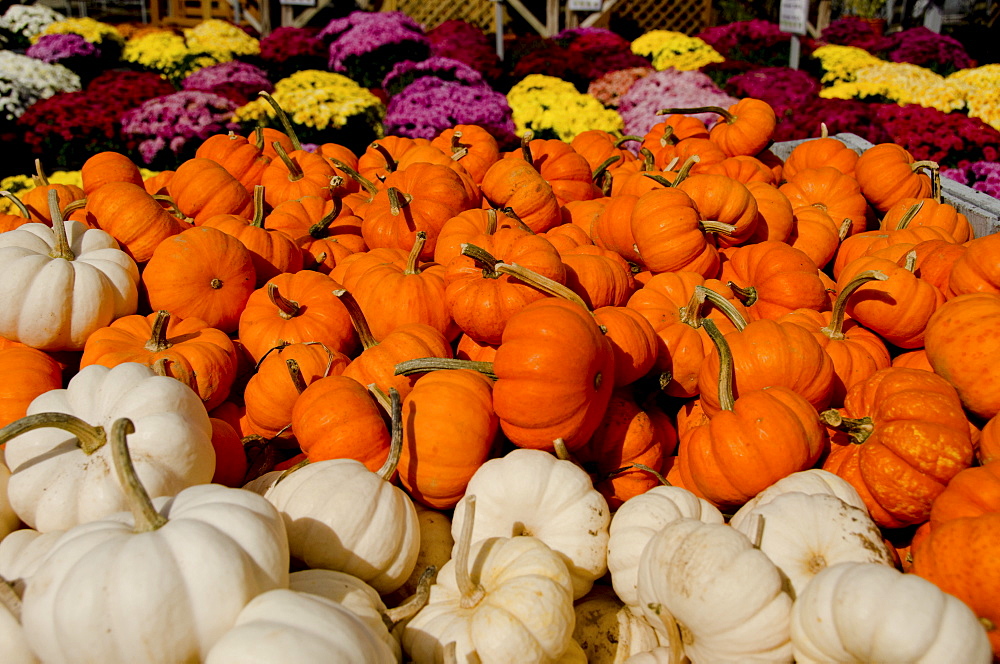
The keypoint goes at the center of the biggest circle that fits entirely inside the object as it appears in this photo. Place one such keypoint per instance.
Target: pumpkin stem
(258, 206)
(381, 397)
(491, 221)
(169, 368)
(685, 169)
(391, 165)
(644, 468)
(286, 124)
(911, 213)
(987, 623)
(321, 229)
(17, 203)
(287, 309)
(835, 330)
(602, 169)
(668, 137)
(295, 172)
(711, 226)
(845, 229)
(759, 533)
(562, 452)
(482, 257)
(726, 115)
(10, 599)
(365, 183)
(747, 296)
(625, 139)
(89, 438)
(659, 179)
(540, 282)
(823, 131)
(413, 604)
(147, 519)
(358, 319)
(510, 213)
(471, 591)
(39, 178)
(425, 364)
(726, 399)
(258, 138)
(648, 159)
(397, 200)
(396, 444)
(158, 336)
(295, 373)
(62, 249)
(857, 430)
(691, 312)
(412, 265)
(457, 145)
(911, 261)
(526, 147)
(163, 198)
(723, 305)
(933, 172)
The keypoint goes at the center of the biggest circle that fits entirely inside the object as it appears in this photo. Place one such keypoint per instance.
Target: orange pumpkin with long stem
(379, 159)
(751, 441)
(282, 375)
(901, 437)
(273, 252)
(566, 171)
(201, 273)
(468, 224)
(296, 307)
(935, 260)
(448, 433)
(721, 198)
(930, 213)
(243, 158)
(397, 293)
(516, 184)
(673, 304)
(856, 352)
(598, 146)
(201, 188)
(189, 350)
(326, 231)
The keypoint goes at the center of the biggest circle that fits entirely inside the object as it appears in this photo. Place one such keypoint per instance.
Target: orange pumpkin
(471, 146)
(977, 270)
(930, 212)
(902, 436)
(774, 213)
(133, 217)
(971, 492)
(670, 235)
(201, 188)
(24, 374)
(887, 173)
(600, 277)
(772, 278)
(230, 456)
(633, 341)
(827, 188)
(516, 184)
(989, 441)
(566, 171)
(823, 151)
(105, 167)
(245, 160)
(721, 198)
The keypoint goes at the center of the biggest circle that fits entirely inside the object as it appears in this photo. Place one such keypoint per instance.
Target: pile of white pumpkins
(534, 566)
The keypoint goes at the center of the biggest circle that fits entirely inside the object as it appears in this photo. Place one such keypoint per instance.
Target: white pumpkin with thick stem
(531, 492)
(161, 583)
(812, 481)
(804, 534)
(287, 627)
(635, 523)
(61, 467)
(500, 599)
(866, 612)
(342, 516)
(724, 597)
(60, 283)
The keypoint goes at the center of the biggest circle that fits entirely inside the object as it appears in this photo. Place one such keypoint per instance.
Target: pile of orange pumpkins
(572, 402)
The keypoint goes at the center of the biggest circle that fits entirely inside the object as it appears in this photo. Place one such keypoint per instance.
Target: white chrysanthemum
(24, 80)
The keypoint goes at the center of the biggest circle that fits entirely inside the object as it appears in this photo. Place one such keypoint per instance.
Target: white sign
(584, 5)
(303, 3)
(793, 16)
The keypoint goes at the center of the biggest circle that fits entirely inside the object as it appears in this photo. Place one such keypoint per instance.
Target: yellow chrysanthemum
(316, 99)
(903, 83)
(982, 99)
(542, 103)
(666, 48)
(168, 54)
(93, 31)
(221, 39)
(840, 63)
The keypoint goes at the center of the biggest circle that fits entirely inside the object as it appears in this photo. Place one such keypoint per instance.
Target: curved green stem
(726, 399)
(425, 364)
(295, 172)
(258, 207)
(748, 295)
(62, 249)
(287, 309)
(396, 444)
(910, 214)
(858, 430)
(17, 203)
(471, 592)
(358, 319)
(723, 305)
(286, 124)
(391, 165)
(147, 519)
(726, 115)
(295, 373)
(365, 183)
(412, 259)
(835, 330)
(89, 438)
(321, 229)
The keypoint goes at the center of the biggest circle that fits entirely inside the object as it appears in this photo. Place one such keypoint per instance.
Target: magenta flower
(460, 40)
(365, 45)
(446, 69)
(170, 128)
(235, 80)
(669, 89)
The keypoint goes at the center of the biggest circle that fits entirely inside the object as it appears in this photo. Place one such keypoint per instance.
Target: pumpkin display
(61, 283)
(976, 270)
(862, 612)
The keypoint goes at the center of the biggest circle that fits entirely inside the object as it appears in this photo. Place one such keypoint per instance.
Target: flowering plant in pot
(552, 108)
(365, 45)
(430, 105)
(20, 23)
(461, 40)
(445, 69)
(288, 50)
(70, 50)
(236, 80)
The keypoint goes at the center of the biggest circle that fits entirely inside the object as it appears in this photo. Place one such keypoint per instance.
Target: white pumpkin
(342, 516)
(658, 655)
(58, 284)
(287, 627)
(9, 520)
(865, 612)
(531, 492)
(13, 646)
(353, 594)
(62, 478)
(635, 523)
(803, 534)
(22, 552)
(159, 584)
(498, 600)
(812, 481)
(608, 630)
(725, 597)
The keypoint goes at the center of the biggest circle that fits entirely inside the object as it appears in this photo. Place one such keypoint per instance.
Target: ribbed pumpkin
(24, 374)
(961, 344)
(930, 213)
(599, 276)
(772, 278)
(972, 492)
(670, 235)
(200, 356)
(721, 198)
(36, 199)
(905, 437)
(977, 271)
(326, 231)
(555, 373)
(516, 184)
(633, 341)
(816, 234)
(989, 441)
(243, 158)
(201, 273)
(448, 433)
(471, 146)
(466, 225)
(836, 194)
(566, 171)
(201, 188)
(887, 173)
(132, 217)
(612, 229)
(105, 167)
(774, 213)
(823, 151)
